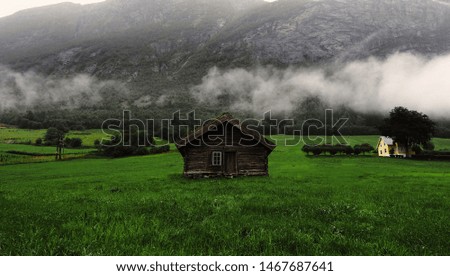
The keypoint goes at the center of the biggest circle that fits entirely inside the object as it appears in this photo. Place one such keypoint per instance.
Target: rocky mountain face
(157, 46)
(48, 29)
(302, 31)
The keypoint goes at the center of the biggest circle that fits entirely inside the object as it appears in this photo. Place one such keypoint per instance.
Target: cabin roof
(387, 140)
(225, 118)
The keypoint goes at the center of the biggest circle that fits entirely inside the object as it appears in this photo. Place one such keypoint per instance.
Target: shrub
(73, 142)
(97, 143)
(307, 149)
(39, 142)
(141, 151)
(417, 149)
(364, 148)
(316, 151)
(429, 146)
(116, 151)
(162, 149)
(133, 143)
(349, 150)
(344, 149)
(338, 149)
(76, 143)
(53, 135)
(67, 141)
(333, 150)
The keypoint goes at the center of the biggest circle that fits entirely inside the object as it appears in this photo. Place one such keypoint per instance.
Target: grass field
(14, 141)
(308, 206)
(22, 154)
(20, 136)
(23, 136)
(38, 150)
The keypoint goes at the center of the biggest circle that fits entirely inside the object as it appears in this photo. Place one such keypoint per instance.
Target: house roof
(387, 140)
(225, 118)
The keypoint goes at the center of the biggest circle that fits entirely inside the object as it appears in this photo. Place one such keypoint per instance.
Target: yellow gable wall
(383, 149)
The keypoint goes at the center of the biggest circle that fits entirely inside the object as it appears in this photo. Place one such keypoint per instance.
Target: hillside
(173, 43)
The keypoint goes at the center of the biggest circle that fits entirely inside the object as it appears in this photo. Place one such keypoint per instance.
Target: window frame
(217, 156)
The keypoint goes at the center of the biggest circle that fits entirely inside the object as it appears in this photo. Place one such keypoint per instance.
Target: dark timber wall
(242, 154)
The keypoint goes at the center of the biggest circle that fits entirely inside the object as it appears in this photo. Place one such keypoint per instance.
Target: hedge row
(29, 153)
(433, 155)
(158, 150)
(123, 151)
(337, 149)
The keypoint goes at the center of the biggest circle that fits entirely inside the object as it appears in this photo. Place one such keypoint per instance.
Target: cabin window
(217, 158)
(385, 150)
(381, 152)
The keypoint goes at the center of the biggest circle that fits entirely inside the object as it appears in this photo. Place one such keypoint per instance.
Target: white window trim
(215, 155)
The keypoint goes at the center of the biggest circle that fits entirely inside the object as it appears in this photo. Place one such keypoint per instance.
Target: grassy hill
(26, 136)
(308, 206)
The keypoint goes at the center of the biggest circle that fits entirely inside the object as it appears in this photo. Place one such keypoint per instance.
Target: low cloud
(31, 90)
(372, 85)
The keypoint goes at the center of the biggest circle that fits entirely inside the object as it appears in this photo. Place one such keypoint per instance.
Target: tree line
(358, 124)
(339, 149)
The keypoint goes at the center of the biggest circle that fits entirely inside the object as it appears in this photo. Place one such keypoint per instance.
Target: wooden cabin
(223, 148)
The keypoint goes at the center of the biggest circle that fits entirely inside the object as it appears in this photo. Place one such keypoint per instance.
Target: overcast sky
(8, 7)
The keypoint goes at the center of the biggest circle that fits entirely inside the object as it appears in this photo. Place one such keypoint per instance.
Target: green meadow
(143, 206)
(25, 136)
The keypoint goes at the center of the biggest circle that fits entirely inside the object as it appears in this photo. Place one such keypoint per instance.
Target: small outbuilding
(224, 148)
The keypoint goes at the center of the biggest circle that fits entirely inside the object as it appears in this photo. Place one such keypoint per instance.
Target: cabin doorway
(230, 164)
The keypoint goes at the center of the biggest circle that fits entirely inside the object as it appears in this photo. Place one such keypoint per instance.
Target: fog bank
(372, 85)
(31, 90)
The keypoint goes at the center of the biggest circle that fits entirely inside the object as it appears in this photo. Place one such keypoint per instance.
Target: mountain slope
(297, 31)
(159, 46)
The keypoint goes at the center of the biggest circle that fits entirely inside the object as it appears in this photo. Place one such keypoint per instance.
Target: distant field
(441, 144)
(38, 150)
(20, 140)
(21, 154)
(89, 136)
(12, 135)
(21, 136)
(308, 206)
